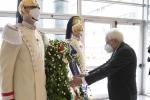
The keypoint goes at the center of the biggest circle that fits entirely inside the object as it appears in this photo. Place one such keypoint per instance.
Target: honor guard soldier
(22, 71)
(74, 34)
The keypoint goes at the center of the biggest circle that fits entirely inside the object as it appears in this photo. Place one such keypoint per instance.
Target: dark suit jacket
(121, 72)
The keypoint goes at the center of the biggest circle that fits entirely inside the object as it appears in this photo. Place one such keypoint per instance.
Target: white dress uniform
(22, 71)
(77, 45)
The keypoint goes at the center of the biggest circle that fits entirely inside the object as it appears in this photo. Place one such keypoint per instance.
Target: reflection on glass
(60, 6)
(52, 23)
(131, 36)
(5, 20)
(95, 54)
(94, 43)
(149, 14)
(8, 5)
(111, 10)
(147, 89)
(130, 31)
(56, 36)
(129, 1)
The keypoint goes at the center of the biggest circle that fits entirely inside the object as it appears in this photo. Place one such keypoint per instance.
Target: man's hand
(76, 81)
(81, 75)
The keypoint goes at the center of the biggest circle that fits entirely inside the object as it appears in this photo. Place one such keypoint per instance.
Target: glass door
(147, 77)
(96, 55)
(132, 37)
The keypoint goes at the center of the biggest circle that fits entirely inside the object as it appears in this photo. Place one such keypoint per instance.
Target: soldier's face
(28, 8)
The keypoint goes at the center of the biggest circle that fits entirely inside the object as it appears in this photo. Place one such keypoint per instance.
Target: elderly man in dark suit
(120, 69)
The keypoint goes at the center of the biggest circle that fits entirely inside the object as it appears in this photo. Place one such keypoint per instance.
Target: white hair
(114, 33)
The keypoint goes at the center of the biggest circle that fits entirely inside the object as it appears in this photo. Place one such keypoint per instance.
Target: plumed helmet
(77, 28)
(25, 3)
(74, 24)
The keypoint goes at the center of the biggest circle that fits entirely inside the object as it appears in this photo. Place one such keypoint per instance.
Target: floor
(140, 97)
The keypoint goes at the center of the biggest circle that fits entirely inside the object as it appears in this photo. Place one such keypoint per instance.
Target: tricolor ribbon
(76, 71)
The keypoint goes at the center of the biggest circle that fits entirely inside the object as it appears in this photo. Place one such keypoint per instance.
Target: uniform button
(36, 70)
(32, 57)
(27, 41)
(29, 45)
(24, 36)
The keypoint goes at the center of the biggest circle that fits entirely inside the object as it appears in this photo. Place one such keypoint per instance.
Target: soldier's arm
(8, 54)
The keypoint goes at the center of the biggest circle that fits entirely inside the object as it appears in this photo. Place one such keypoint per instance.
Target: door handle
(140, 65)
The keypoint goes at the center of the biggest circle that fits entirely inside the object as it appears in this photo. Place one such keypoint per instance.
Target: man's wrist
(87, 73)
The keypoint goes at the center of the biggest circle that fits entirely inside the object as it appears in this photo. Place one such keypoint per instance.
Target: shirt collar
(117, 47)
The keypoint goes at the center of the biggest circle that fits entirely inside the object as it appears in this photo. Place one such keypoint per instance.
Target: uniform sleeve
(8, 55)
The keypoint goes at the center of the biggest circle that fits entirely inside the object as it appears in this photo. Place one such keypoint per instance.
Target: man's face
(110, 42)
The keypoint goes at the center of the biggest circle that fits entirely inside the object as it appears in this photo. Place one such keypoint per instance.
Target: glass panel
(94, 49)
(98, 90)
(149, 14)
(147, 79)
(130, 1)
(95, 54)
(5, 20)
(56, 36)
(130, 31)
(8, 5)
(111, 10)
(52, 23)
(60, 6)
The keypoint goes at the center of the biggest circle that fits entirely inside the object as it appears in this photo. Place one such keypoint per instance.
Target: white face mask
(35, 13)
(108, 48)
(81, 33)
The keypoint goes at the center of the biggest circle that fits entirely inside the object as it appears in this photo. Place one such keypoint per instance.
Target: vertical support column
(61, 7)
(79, 13)
(144, 42)
(79, 7)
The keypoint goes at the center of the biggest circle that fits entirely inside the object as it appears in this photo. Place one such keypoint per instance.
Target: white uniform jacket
(22, 71)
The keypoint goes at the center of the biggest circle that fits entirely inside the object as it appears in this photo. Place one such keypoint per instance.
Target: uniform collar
(28, 25)
(75, 38)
